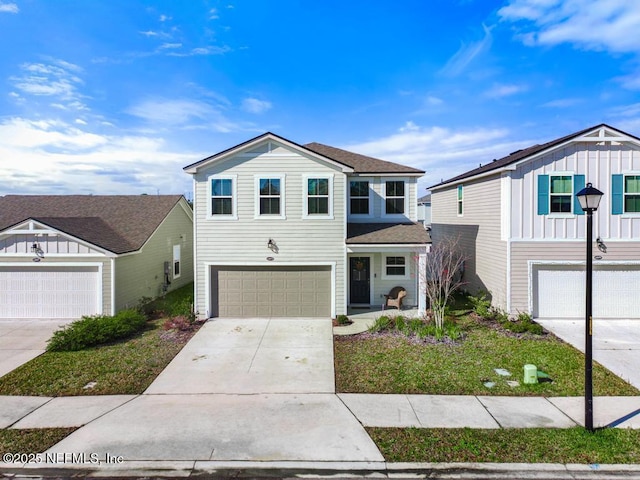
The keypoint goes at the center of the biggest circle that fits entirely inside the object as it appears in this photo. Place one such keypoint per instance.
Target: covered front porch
(381, 257)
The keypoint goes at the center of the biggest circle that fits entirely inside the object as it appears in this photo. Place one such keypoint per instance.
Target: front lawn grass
(393, 364)
(531, 445)
(31, 440)
(124, 367)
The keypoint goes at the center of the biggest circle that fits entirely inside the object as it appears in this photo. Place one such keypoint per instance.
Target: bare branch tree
(443, 275)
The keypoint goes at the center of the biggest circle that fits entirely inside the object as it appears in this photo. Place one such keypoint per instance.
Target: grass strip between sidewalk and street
(531, 445)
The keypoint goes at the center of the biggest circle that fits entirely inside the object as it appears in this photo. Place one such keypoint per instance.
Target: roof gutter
(508, 168)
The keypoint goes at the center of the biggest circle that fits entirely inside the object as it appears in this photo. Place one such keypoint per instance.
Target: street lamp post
(589, 198)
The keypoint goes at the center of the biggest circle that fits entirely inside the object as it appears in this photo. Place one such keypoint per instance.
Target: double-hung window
(318, 199)
(556, 194)
(394, 194)
(395, 267)
(222, 190)
(460, 197)
(625, 193)
(270, 196)
(359, 197)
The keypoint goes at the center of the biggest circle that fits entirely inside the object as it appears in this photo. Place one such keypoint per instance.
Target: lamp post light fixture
(589, 198)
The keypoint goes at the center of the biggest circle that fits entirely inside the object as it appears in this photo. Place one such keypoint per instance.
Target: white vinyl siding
(301, 240)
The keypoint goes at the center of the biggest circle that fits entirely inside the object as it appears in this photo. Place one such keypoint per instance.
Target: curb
(250, 469)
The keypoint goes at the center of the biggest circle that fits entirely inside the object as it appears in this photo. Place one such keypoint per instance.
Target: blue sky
(115, 97)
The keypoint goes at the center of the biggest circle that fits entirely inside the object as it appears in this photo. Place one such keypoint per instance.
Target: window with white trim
(394, 195)
(460, 200)
(359, 197)
(222, 191)
(395, 266)
(176, 261)
(560, 193)
(632, 194)
(318, 196)
(270, 196)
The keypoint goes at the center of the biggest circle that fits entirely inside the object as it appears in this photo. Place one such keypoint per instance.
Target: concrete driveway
(257, 355)
(241, 389)
(616, 343)
(23, 340)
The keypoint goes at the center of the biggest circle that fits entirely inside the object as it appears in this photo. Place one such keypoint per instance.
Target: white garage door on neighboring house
(271, 291)
(49, 292)
(559, 291)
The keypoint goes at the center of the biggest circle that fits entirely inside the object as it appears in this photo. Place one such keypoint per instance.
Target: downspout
(113, 286)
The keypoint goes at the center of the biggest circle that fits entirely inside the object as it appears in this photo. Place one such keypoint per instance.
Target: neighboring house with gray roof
(64, 256)
(523, 230)
(424, 209)
(284, 229)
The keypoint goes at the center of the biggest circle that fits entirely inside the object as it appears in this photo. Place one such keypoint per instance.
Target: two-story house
(523, 231)
(285, 230)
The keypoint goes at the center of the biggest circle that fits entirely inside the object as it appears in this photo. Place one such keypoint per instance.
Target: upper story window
(460, 199)
(359, 197)
(556, 194)
(394, 193)
(270, 196)
(222, 191)
(625, 193)
(318, 198)
(560, 193)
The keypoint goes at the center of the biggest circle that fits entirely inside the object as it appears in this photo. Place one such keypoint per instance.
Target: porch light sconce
(601, 245)
(35, 248)
(271, 245)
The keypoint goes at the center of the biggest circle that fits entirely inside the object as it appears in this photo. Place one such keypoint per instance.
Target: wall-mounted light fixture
(601, 245)
(271, 245)
(36, 250)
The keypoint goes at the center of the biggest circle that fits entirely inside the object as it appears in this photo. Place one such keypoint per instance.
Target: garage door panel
(272, 291)
(559, 291)
(49, 292)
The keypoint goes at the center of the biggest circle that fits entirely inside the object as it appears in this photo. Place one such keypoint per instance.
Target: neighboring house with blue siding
(523, 230)
(289, 230)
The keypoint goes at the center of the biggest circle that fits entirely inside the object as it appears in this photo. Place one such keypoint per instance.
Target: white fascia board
(399, 247)
(47, 230)
(257, 141)
(488, 173)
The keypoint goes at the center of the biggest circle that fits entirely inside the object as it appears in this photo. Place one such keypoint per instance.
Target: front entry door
(359, 268)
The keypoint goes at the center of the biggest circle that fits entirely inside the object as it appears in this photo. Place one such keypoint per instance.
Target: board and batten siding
(300, 241)
(542, 252)
(141, 274)
(597, 162)
(479, 233)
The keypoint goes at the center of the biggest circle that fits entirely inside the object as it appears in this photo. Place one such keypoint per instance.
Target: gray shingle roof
(522, 154)
(360, 163)
(387, 233)
(117, 223)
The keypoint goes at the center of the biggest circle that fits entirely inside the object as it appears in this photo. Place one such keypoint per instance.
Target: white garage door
(48, 292)
(271, 291)
(559, 291)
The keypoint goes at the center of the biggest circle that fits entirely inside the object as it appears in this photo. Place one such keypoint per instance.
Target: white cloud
(54, 157)
(563, 103)
(441, 152)
(170, 45)
(467, 53)
(164, 18)
(612, 25)
(213, 14)
(209, 50)
(431, 100)
(170, 112)
(500, 91)
(254, 105)
(9, 8)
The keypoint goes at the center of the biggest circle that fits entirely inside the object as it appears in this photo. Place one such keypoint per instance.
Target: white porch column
(422, 279)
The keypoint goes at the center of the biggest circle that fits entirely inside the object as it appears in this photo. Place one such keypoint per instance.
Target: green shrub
(343, 320)
(96, 330)
(523, 323)
(481, 304)
(382, 323)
